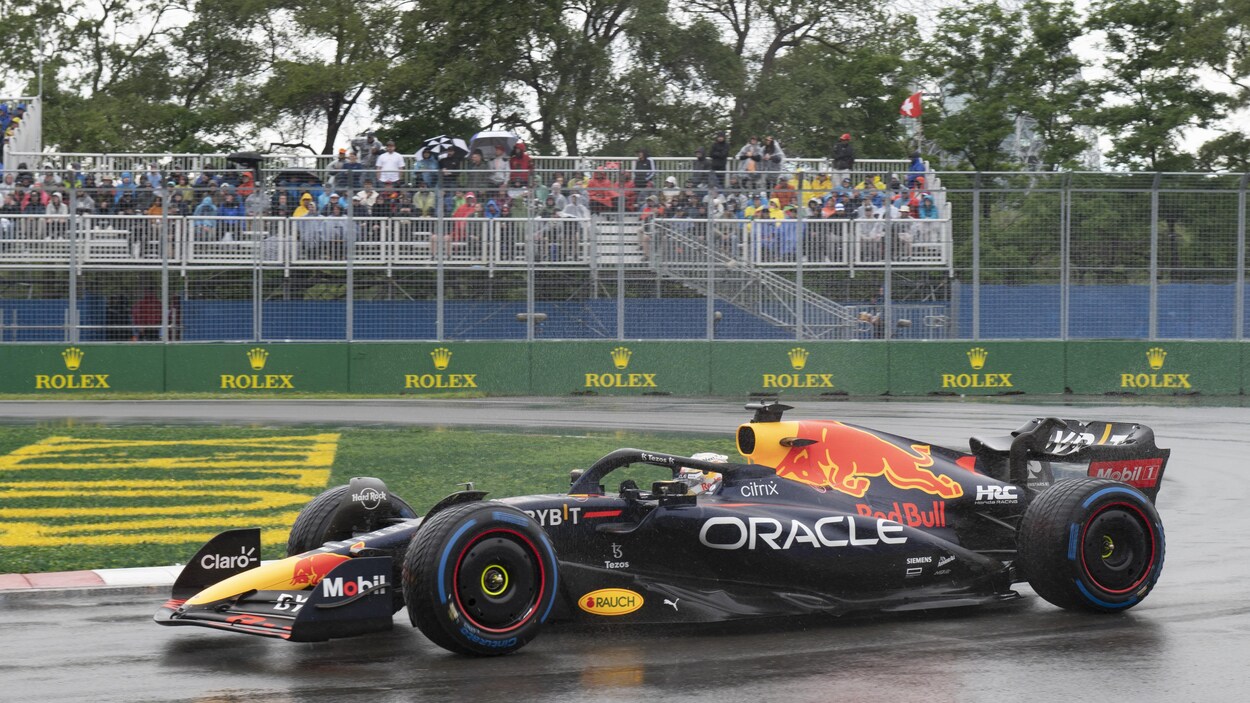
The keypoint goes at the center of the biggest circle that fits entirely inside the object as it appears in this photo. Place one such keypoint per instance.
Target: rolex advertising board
(976, 368)
(1154, 368)
(84, 368)
(620, 368)
(807, 368)
(256, 368)
(432, 368)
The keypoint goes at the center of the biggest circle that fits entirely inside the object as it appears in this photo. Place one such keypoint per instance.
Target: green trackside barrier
(619, 368)
(243, 368)
(790, 369)
(491, 368)
(86, 368)
(1154, 368)
(976, 368)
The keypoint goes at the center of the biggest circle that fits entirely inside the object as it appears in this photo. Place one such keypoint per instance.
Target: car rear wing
(1122, 451)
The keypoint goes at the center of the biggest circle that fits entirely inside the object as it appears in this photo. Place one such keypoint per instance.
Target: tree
(1153, 91)
(972, 57)
(332, 52)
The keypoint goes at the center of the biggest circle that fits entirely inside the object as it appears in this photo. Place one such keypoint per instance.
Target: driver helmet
(697, 481)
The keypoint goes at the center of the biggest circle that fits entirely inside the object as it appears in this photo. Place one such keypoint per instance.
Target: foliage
(1006, 88)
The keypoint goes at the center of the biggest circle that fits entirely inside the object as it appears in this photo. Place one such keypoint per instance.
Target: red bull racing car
(824, 517)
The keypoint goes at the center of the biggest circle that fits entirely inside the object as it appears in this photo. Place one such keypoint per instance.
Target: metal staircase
(685, 257)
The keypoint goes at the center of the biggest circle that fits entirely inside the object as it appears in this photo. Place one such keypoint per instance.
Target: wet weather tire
(1091, 544)
(315, 525)
(480, 578)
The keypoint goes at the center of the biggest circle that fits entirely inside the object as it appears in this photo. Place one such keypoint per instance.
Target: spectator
(8, 185)
(750, 158)
(8, 223)
(205, 223)
(499, 171)
(84, 204)
(367, 151)
(425, 170)
(549, 209)
(127, 186)
(718, 159)
(819, 186)
(784, 192)
(772, 160)
(247, 185)
(603, 194)
(57, 216)
(521, 166)
(476, 173)
(254, 205)
(844, 156)
(424, 202)
(699, 169)
(178, 206)
(232, 212)
(644, 171)
(352, 172)
(368, 198)
(390, 202)
(670, 191)
(390, 165)
(916, 169)
(334, 170)
(146, 317)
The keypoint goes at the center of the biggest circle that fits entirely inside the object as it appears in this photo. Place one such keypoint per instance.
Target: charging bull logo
(845, 458)
(309, 570)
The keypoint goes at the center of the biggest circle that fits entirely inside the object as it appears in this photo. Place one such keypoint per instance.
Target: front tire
(318, 523)
(1091, 544)
(480, 578)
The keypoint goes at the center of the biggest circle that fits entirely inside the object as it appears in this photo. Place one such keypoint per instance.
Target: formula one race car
(826, 517)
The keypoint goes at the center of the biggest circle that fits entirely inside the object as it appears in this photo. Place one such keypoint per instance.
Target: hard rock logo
(1155, 356)
(72, 356)
(257, 357)
(441, 357)
(977, 356)
(798, 358)
(620, 359)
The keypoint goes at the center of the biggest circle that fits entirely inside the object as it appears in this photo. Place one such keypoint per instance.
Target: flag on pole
(911, 106)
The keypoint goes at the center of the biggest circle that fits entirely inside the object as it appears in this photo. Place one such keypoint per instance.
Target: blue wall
(1186, 311)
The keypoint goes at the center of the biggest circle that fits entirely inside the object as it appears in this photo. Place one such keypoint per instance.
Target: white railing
(498, 242)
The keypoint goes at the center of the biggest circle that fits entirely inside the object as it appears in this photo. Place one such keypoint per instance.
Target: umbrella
(443, 144)
(487, 141)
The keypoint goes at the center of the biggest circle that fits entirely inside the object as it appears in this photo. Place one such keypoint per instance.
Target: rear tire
(1091, 544)
(480, 578)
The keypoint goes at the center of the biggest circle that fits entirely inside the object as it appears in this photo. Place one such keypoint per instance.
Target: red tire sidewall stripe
(1154, 548)
(542, 577)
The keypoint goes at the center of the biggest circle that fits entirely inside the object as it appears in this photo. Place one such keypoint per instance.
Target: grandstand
(706, 268)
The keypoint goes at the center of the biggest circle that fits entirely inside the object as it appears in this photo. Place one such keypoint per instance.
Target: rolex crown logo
(977, 357)
(798, 358)
(257, 358)
(1155, 356)
(620, 357)
(73, 358)
(441, 357)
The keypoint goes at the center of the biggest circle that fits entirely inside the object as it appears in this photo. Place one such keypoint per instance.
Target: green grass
(420, 465)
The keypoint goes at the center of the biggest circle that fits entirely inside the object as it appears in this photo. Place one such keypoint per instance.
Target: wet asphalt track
(1189, 641)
